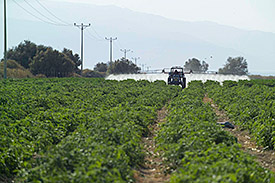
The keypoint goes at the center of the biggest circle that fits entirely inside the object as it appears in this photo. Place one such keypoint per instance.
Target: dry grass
(15, 70)
(261, 77)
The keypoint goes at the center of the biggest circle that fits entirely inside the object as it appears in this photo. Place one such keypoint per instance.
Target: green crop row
(198, 150)
(76, 130)
(251, 105)
(39, 113)
(266, 82)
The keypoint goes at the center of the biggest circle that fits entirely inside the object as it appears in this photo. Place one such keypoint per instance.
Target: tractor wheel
(169, 80)
(184, 83)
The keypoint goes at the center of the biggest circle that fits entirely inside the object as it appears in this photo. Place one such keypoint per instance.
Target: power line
(31, 13)
(35, 15)
(45, 8)
(39, 12)
(93, 37)
(99, 36)
(119, 44)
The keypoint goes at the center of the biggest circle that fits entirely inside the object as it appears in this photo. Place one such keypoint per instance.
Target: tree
(236, 66)
(74, 57)
(204, 66)
(195, 65)
(23, 53)
(52, 63)
(44, 60)
(101, 67)
(123, 66)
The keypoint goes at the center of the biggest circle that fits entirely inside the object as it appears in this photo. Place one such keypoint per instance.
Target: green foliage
(52, 63)
(44, 60)
(89, 130)
(235, 66)
(101, 67)
(74, 57)
(76, 130)
(221, 163)
(251, 105)
(269, 82)
(23, 53)
(196, 65)
(200, 151)
(123, 66)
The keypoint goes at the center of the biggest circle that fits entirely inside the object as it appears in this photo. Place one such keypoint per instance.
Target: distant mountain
(160, 42)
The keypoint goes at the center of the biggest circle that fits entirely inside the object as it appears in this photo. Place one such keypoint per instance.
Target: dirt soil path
(153, 170)
(264, 157)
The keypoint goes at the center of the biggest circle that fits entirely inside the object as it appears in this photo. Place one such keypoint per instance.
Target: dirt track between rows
(153, 170)
(264, 157)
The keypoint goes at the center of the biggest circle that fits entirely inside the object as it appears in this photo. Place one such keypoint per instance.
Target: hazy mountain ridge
(159, 41)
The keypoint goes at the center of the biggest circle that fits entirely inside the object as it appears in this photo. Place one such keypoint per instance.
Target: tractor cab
(176, 77)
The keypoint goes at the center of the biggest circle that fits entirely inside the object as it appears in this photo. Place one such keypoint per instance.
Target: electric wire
(45, 8)
(40, 12)
(37, 17)
(94, 37)
(119, 43)
(99, 36)
(33, 14)
(116, 45)
(91, 36)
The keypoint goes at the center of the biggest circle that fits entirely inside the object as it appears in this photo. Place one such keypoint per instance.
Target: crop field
(92, 130)
(251, 105)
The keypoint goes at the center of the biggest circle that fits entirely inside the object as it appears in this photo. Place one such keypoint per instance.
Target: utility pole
(135, 59)
(125, 52)
(82, 27)
(143, 67)
(5, 39)
(111, 46)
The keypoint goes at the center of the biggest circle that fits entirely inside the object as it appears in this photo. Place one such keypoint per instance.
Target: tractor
(176, 77)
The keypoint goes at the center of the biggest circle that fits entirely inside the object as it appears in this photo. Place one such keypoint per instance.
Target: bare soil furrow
(264, 157)
(153, 169)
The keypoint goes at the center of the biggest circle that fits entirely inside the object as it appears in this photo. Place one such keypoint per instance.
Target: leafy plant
(198, 150)
(250, 104)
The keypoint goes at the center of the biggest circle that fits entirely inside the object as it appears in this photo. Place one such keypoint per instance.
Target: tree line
(235, 66)
(120, 66)
(46, 61)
